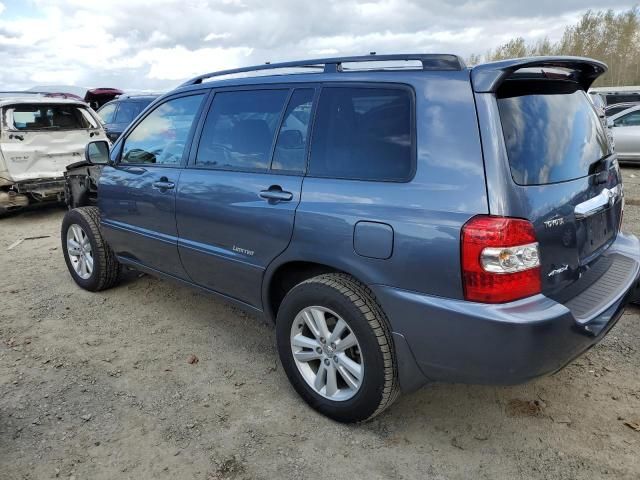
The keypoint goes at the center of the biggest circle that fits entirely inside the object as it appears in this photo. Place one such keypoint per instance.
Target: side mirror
(291, 139)
(609, 122)
(97, 153)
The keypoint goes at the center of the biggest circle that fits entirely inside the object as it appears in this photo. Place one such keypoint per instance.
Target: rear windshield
(48, 117)
(551, 131)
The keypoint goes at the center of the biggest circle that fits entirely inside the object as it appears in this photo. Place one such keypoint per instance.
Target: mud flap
(410, 376)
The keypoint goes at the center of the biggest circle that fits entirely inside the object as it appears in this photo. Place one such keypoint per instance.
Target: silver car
(625, 127)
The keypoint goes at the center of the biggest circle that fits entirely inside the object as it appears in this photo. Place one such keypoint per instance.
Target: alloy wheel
(327, 353)
(79, 250)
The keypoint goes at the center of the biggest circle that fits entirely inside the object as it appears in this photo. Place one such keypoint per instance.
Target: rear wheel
(336, 348)
(90, 261)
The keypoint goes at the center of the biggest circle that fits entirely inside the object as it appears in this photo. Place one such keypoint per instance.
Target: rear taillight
(500, 259)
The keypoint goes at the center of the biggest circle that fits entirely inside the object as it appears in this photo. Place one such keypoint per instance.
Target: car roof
(625, 112)
(35, 99)
(316, 70)
(131, 98)
(485, 77)
(146, 96)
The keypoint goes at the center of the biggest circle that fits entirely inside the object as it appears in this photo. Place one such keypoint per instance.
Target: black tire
(106, 268)
(635, 296)
(355, 303)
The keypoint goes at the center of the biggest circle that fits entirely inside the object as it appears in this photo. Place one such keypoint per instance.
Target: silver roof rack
(430, 61)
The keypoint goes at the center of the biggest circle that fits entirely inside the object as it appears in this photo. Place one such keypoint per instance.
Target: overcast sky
(153, 45)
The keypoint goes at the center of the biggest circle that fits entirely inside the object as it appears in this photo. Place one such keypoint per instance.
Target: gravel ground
(98, 386)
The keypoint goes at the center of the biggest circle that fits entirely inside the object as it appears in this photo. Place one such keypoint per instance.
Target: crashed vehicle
(81, 185)
(39, 137)
(95, 97)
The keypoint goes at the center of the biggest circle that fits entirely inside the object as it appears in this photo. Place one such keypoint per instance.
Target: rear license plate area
(598, 230)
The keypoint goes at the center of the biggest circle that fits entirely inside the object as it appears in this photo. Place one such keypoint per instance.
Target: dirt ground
(97, 386)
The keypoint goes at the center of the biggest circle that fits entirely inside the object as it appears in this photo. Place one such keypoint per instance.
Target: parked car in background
(119, 113)
(95, 97)
(399, 222)
(614, 95)
(39, 137)
(625, 127)
(618, 107)
(599, 102)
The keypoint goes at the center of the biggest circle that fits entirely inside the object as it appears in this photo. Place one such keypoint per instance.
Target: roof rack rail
(430, 61)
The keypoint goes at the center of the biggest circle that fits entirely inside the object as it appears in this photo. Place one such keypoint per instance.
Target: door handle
(276, 193)
(604, 199)
(134, 170)
(164, 184)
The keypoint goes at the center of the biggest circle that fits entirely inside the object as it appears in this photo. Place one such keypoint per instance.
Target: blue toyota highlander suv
(401, 218)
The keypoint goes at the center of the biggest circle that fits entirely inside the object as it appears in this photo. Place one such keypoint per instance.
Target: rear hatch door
(39, 140)
(564, 177)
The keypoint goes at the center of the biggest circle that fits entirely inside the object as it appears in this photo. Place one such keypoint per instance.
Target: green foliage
(611, 37)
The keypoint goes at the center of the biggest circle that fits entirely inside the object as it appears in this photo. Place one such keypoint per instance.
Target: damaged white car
(39, 137)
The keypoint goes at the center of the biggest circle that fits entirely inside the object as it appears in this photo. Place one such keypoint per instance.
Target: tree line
(611, 37)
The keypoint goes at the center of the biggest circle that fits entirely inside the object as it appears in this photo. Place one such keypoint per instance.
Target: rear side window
(240, 128)
(291, 146)
(363, 133)
(629, 120)
(48, 117)
(127, 111)
(551, 131)
(622, 98)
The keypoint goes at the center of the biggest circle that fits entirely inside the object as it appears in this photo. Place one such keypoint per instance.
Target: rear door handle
(604, 199)
(276, 193)
(164, 185)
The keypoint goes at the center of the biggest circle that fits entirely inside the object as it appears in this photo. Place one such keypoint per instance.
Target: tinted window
(160, 138)
(240, 129)
(291, 146)
(629, 120)
(49, 117)
(127, 112)
(363, 133)
(614, 110)
(551, 131)
(106, 112)
(622, 98)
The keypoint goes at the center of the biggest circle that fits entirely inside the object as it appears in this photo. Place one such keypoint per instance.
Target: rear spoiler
(486, 78)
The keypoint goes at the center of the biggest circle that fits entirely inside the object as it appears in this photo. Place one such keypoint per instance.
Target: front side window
(161, 137)
(629, 120)
(240, 129)
(36, 117)
(106, 112)
(363, 134)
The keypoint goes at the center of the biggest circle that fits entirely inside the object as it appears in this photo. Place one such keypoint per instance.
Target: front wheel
(635, 296)
(90, 261)
(336, 348)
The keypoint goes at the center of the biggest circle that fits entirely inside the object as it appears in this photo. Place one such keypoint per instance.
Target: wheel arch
(281, 276)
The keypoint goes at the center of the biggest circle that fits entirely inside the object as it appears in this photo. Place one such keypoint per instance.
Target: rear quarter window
(363, 133)
(551, 131)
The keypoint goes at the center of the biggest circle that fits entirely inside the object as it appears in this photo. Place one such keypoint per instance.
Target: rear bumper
(41, 186)
(457, 341)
